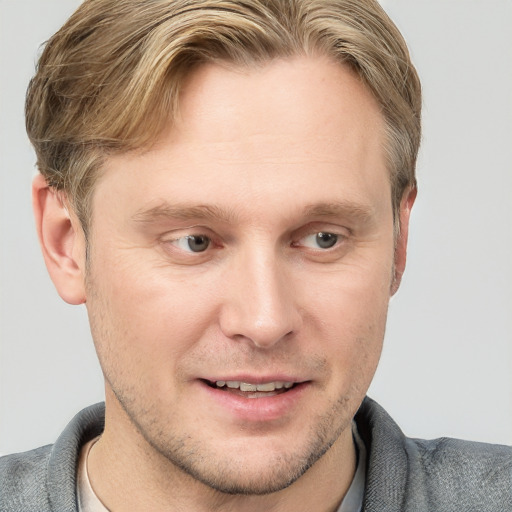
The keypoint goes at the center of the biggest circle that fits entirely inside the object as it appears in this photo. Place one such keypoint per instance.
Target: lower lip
(262, 409)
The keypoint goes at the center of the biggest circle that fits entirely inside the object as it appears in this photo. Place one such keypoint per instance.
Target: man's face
(252, 244)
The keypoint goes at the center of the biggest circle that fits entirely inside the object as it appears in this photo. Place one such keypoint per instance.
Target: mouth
(255, 400)
(250, 390)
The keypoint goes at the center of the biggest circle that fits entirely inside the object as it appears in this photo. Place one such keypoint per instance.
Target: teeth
(244, 386)
(248, 387)
(269, 386)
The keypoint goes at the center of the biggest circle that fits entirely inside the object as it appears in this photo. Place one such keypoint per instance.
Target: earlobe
(401, 243)
(62, 241)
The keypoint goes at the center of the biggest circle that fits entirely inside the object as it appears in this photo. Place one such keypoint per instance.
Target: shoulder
(467, 456)
(463, 474)
(23, 481)
(444, 474)
(44, 479)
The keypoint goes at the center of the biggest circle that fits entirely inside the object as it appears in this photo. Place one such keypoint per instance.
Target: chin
(262, 469)
(244, 478)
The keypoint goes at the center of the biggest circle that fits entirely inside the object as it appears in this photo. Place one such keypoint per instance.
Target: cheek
(142, 318)
(350, 316)
(146, 291)
(354, 295)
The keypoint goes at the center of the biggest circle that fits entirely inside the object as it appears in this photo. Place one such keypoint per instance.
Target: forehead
(243, 133)
(301, 98)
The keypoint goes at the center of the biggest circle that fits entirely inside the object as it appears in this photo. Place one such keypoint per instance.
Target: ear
(62, 241)
(401, 243)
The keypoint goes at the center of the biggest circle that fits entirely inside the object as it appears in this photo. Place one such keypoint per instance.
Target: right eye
(192, 243)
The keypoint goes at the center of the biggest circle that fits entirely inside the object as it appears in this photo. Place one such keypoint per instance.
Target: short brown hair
(110, 78)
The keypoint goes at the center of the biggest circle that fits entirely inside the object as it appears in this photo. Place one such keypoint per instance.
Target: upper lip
(257, 379)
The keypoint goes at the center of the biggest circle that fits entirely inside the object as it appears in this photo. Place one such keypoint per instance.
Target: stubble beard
(228, 474)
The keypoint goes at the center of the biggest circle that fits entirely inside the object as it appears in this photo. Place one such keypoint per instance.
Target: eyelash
(327, 236)
(204, 239)
(331, 238)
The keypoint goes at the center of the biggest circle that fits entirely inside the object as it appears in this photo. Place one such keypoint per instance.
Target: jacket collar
(387, 464)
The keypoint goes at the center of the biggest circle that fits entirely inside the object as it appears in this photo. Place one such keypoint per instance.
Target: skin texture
(260, 161)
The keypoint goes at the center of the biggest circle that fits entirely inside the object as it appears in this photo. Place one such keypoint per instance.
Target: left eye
(193, 243)
(322, 240)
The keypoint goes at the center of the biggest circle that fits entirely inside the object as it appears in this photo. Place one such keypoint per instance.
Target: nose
(259, 303)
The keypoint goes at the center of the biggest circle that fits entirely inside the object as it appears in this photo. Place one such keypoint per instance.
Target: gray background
(447, 363)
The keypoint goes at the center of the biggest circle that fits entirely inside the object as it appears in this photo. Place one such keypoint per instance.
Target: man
(227, 187)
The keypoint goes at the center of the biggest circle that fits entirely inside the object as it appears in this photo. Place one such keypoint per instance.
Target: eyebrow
(178, 211)
(165, 210)
(357, 211)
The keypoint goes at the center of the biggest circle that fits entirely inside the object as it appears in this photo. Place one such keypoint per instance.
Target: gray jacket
(409, 475)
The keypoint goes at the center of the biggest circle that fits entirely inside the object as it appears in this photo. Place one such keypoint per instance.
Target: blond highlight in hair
(109, 80)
